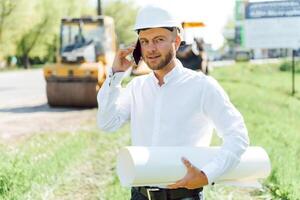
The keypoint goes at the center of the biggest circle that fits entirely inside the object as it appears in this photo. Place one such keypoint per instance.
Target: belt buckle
(151, 190)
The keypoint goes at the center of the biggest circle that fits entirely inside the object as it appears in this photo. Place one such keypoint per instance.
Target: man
(171, 106)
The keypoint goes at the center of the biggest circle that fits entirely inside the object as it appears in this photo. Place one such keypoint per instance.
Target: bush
(286, 65)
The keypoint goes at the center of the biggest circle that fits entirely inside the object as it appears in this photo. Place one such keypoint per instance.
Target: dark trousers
(136, 195)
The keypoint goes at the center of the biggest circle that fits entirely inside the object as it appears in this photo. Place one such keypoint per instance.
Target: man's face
(158, 47)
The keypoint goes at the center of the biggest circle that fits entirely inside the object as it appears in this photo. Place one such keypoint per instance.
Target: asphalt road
(24, 110)
(19, 88)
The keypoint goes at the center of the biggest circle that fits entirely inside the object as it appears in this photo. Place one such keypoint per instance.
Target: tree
(30, 39)
(30, 28)
(40, 38)
(229, 43)
(124, 14)
(6, 9)
(18, 16)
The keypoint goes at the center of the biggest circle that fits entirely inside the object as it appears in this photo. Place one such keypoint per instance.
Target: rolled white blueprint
(160, 166)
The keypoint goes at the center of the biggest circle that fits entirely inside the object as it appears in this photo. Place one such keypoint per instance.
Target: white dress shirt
(181, 112)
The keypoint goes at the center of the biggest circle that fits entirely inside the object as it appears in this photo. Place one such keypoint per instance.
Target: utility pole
(99, 9)
(293, 72)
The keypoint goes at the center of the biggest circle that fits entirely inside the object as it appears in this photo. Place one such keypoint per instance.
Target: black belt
(154, 193)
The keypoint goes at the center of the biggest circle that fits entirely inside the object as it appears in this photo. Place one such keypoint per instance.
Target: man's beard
(164, 62)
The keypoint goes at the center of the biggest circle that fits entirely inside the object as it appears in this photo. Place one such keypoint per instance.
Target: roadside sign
(272, 24)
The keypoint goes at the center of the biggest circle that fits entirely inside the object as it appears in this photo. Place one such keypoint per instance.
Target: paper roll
(157, 166)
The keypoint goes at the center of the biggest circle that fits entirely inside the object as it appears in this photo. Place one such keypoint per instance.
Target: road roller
(87, 48)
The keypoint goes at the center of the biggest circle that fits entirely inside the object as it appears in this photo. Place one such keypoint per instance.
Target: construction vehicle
(193, 55)
(87, 46)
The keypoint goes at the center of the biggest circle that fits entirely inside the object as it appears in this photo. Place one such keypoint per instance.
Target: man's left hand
(192, 180)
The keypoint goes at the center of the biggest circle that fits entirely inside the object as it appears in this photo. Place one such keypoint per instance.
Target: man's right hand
(121, 63)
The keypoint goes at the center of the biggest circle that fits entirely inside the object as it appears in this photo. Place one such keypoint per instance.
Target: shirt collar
(173, 74)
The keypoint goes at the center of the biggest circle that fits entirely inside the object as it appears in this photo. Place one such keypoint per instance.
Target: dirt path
(24, 110)
(22, 121)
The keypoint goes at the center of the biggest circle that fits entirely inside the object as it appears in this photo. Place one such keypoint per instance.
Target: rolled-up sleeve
(229, 125)
(113, 103)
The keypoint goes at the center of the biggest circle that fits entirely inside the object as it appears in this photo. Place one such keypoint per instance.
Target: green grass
(63, 165)
(272, 115)
(81, 165)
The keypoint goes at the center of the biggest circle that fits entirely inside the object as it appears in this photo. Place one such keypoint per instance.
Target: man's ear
(177, 42)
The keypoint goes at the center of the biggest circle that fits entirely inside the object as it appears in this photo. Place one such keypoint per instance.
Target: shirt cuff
(116, 78)
(210, 171)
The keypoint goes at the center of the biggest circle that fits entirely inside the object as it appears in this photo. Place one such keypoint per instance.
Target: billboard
(272, 24)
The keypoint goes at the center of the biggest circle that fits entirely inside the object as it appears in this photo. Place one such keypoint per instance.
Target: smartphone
(137, 54)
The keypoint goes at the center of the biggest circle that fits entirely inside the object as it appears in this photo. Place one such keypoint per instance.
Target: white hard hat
(154, 16)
